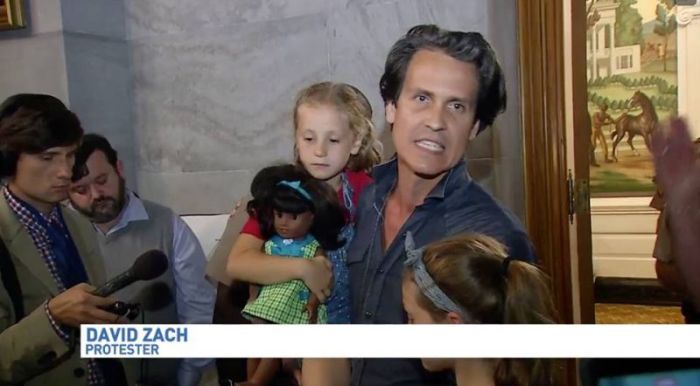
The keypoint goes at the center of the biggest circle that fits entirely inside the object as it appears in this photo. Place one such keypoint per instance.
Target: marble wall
(99, 74)
(77, 51)
(214, 83)
(32, 58)
(197, 97)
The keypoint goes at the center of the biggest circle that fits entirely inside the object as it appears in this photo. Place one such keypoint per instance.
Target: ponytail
(527, 301)
(526, 372)
(475, 272)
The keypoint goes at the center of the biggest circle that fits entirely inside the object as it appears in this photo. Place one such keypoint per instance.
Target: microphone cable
(142, 364)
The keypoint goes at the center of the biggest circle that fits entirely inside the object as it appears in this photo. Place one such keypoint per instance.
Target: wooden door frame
(542, 75)
(543, 95)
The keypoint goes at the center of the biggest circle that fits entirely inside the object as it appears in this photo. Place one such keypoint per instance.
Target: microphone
(149, 265)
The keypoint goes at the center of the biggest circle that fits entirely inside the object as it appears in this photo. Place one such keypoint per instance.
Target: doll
(299, 217)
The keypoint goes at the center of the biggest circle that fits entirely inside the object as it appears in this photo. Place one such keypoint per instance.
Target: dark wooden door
(557, 203)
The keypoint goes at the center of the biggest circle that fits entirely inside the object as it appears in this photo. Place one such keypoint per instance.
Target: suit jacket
(30, 350)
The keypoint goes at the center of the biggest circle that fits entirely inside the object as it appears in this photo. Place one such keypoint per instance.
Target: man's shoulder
(479, 205)
(473, 209)
(70, 215)
(154, 206)
(8, 222)
(157, 216)
(158, 212)
(471, 196)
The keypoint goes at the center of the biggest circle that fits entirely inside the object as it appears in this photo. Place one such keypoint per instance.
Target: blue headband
(296, 185)
(426, 284)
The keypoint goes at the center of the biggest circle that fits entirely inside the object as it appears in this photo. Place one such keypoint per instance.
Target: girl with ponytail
(471, 279)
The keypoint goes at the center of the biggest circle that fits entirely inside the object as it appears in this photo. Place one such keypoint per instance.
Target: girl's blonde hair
(354, 105)
(473, 271)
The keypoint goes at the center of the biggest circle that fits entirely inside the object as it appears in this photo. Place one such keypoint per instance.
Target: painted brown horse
(642, 124)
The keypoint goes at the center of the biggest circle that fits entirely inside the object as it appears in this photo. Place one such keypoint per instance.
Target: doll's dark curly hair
(269, 195)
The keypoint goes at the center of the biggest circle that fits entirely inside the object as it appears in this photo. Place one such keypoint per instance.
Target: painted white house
(603, 57)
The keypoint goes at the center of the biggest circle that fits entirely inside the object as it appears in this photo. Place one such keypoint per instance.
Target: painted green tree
(628, 24)
(665, 26)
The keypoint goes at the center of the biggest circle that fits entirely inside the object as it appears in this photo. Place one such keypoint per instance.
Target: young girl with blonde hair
(334, 141)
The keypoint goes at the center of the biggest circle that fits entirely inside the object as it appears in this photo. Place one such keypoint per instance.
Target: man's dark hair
(91, 143)
(33, 123)
(469, 47)
(41, 102)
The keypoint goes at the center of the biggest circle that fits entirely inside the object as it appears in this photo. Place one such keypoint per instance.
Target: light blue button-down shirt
(195, 296)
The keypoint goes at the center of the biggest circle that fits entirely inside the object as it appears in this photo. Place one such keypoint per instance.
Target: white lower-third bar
(389, 341)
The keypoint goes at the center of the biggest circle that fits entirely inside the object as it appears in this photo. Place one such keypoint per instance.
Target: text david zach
(128, 341)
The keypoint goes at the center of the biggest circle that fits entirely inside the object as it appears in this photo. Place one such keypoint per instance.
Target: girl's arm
(264, 372)
(313, 303)
(325, 372)
(249, 263)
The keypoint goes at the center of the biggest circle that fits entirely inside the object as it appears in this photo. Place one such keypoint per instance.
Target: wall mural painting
(632, 85)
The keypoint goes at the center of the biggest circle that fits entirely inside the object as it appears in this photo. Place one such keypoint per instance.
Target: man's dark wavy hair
(91, 143)
(468, 47)
(33, 123)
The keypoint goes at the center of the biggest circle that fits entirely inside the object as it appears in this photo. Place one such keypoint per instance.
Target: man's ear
(120, 169)
(390, 112)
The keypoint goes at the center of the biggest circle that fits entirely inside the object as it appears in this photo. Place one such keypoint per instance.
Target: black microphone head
(149, 265)
(154, 296)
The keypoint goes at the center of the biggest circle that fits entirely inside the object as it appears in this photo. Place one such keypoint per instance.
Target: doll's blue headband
(296, 185)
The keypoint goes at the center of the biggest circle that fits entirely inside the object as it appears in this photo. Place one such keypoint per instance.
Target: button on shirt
(456, 205)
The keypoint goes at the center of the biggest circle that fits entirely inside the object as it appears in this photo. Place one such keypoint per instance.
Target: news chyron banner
(132, 341)
(388, 341)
